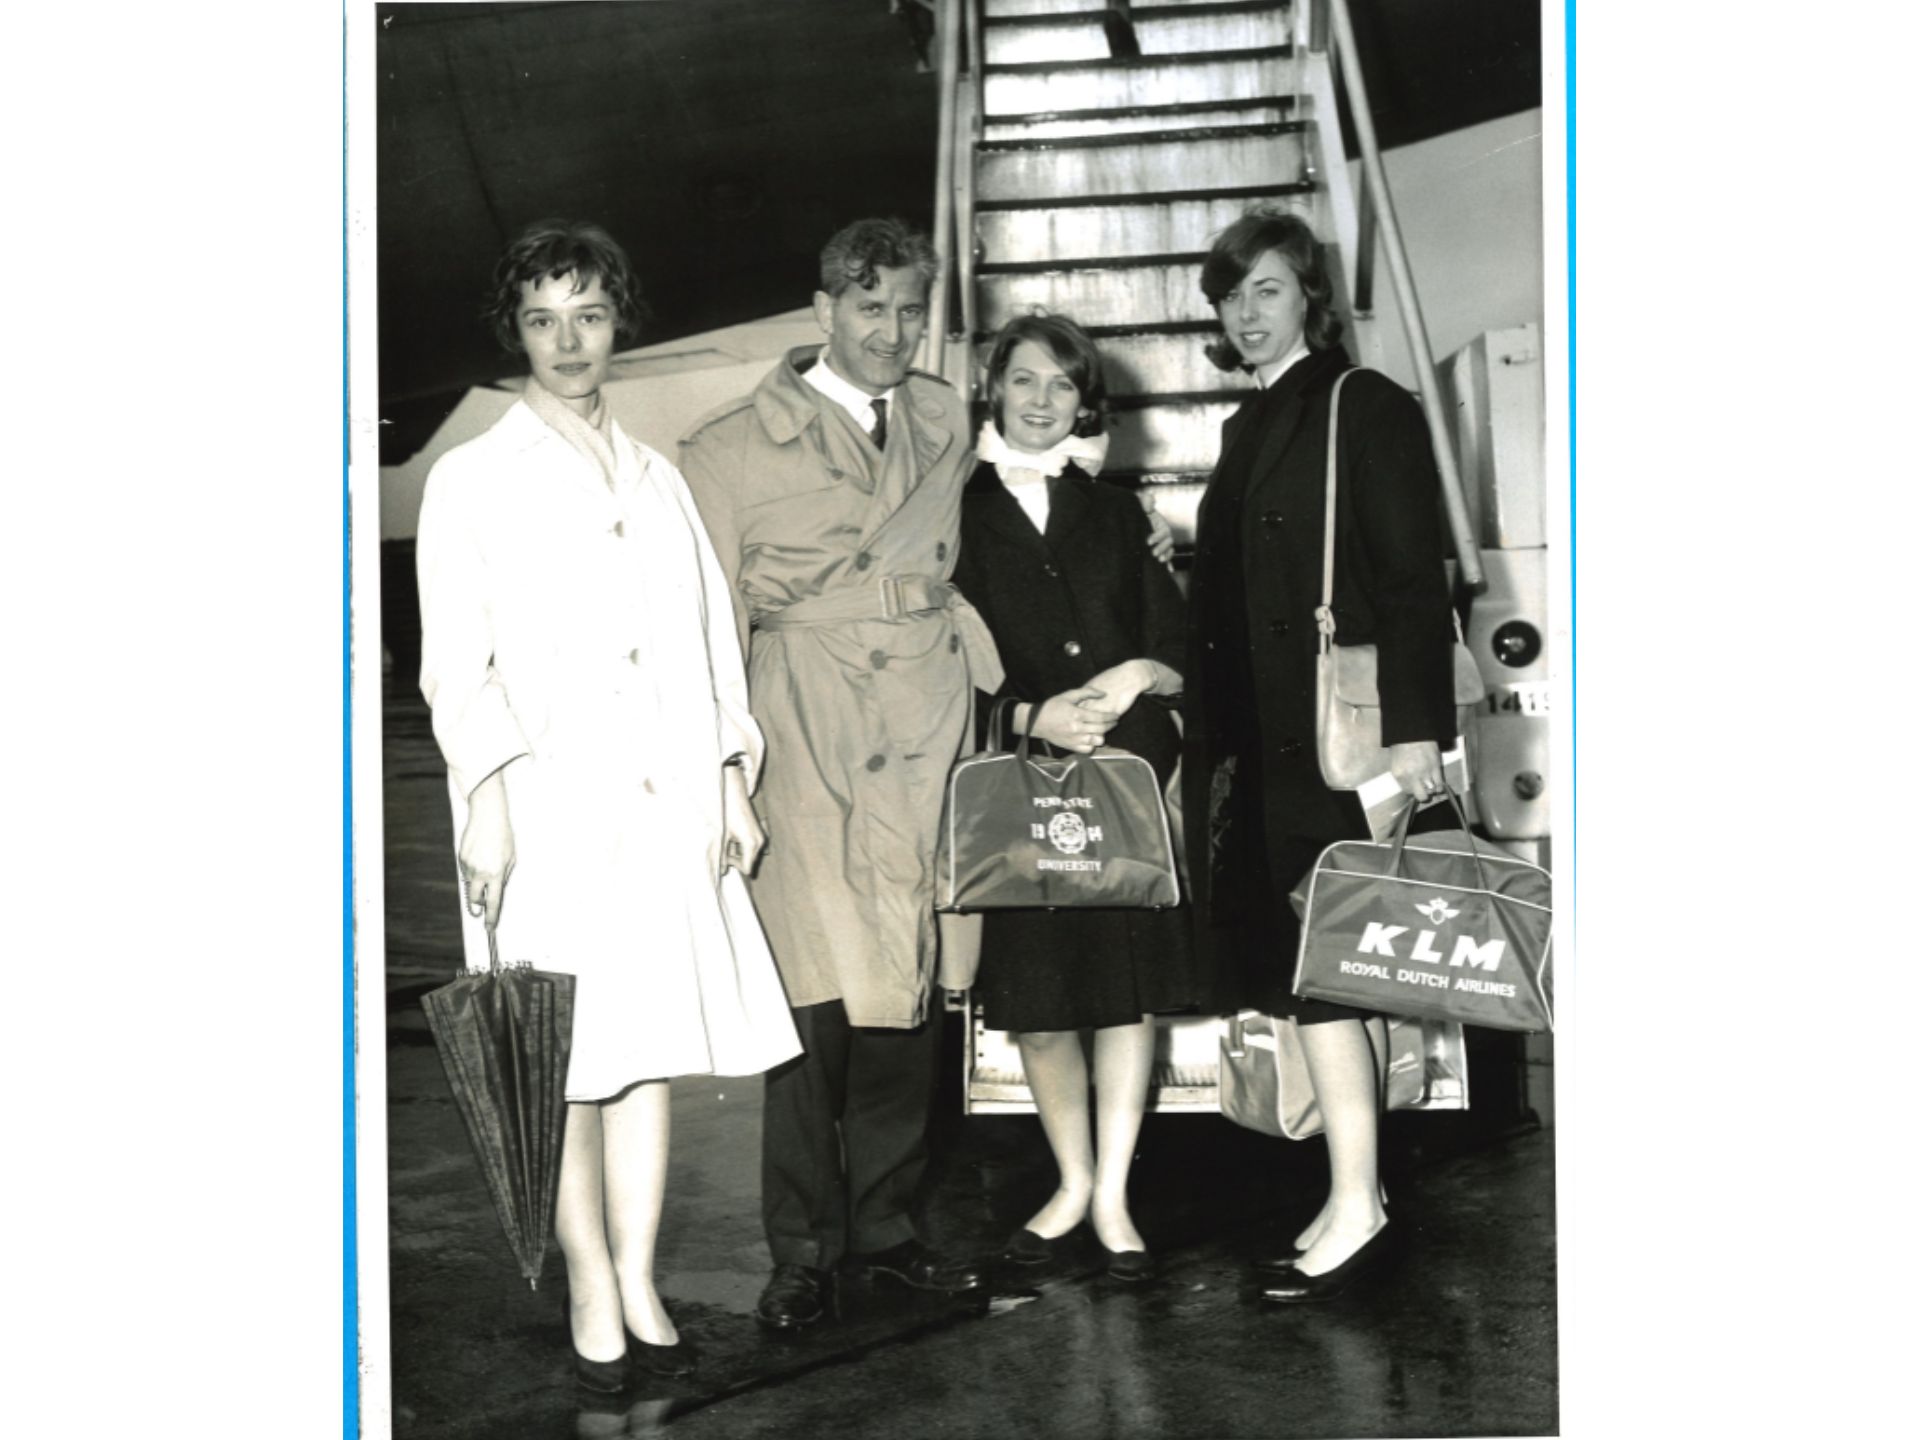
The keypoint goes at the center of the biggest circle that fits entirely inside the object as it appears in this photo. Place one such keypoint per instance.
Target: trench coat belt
(895, 597)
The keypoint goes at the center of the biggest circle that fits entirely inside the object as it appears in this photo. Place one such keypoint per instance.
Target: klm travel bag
(1264, 1084)
(1023, 832)
(1437, 926)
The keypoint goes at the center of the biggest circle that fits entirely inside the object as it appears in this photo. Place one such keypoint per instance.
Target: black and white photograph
(960, 715)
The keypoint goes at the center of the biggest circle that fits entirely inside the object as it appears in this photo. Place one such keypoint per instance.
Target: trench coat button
(862, 560)
(833, 474)
(1053, 572)
(878, 659)
(1272, 518)
(1072, 647)
(953, 644)
(877, 762)
(940, 551)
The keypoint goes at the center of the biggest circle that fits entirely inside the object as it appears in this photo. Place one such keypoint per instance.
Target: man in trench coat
(832, 496)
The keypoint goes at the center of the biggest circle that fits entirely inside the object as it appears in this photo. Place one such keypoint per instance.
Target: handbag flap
(1356, 676)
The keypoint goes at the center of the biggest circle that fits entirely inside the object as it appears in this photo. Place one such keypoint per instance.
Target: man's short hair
(856, 254)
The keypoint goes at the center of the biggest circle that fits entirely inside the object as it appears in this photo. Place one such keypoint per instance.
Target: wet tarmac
(1457, 1339)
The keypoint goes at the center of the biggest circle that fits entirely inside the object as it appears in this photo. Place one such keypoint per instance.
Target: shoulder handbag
(1439, 926)
(1347, 677)
(1264, 1084)
(1022, 832)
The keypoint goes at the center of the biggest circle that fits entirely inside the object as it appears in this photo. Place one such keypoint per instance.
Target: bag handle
(1323, 616)
(1403, 827)
(997, 721)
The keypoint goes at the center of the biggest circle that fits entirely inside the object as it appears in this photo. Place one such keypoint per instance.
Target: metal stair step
(1081, 33)
(998, 9)
(1225, 156)
(1149, 80)
(1135, 224)
(1174, 433)
(1149, 290)
(1060, 124)
(1163, 360)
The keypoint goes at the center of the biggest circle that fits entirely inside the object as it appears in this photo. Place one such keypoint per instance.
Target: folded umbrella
(504, 1036)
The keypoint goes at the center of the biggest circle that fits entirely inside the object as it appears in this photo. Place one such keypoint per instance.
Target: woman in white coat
(579, 656)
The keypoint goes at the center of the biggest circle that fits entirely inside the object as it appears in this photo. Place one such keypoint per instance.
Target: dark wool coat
(1252, 779)
(1063, 607)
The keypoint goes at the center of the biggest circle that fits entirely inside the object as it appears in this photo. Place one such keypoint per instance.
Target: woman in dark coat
(1258, 813)
(1089, 626)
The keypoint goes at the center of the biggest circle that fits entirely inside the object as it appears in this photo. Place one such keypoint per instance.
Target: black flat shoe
(912, 1262)
(797, 1295)
(1294, 1288)
(1279, 1263)
(1029, 1248)
(1132, 1266)
(607, 1377)
(671, 1361)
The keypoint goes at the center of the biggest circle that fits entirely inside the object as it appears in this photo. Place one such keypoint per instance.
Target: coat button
(940, 551)
(833, 474)
(619, 529)
(1053, 572)
(862, 561)
(878, 659)
(1072, 647)
(633, 656)
(877, 762)
(953, 644)
(1271, 519)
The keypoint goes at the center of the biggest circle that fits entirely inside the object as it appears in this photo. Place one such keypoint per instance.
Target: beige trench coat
(860, 671)
(580, 636)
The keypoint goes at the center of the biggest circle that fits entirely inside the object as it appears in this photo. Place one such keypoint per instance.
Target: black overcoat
(1250, 759)
(1062, 607)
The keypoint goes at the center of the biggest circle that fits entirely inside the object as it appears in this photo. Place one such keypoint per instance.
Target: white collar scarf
(1017, 467)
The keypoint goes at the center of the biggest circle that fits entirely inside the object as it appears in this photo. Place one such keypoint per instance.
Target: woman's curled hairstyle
(549, 249)
(1238, 248)
(1072, 350)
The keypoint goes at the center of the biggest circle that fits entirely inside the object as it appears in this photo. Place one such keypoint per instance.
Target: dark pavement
(1458, 1340)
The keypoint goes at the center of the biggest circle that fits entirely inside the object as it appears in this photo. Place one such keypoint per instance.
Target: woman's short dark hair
(853, 256)
(1072, 351)
(1238, 248)
(549, 249)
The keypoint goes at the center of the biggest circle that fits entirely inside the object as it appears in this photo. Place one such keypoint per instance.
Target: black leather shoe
(797, 1295)
(1132, 1266)
(914, 1263)
(1278, 1264)
(671, 1361)
(1028, 1248)
(608, 1377)
(1295, 1288)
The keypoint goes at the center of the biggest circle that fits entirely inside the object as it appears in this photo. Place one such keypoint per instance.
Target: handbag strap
(997, 721)
(1324, 615)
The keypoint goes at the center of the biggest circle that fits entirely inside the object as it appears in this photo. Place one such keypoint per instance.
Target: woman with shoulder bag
(1258, 811)
(1089, 628)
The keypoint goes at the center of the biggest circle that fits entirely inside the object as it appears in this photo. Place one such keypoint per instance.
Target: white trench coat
(583, 638)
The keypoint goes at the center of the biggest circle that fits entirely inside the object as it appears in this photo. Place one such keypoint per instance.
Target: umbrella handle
(493, 950)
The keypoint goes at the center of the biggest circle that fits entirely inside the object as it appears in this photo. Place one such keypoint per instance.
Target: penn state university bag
(1264, 1084)
(1438, 926)
(1024, 832)
(1347, 732)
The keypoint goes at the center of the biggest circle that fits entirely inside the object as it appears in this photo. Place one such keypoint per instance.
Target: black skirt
(1074, 969)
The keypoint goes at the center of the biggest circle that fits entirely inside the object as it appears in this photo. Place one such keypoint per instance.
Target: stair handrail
(1337, 37)
(968, 128)
(946, 35)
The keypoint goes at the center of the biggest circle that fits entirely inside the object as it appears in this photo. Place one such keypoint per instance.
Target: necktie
(880, 426)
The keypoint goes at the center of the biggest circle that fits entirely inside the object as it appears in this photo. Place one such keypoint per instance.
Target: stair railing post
(946, 33)
(967, 131)
(1374, 171)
